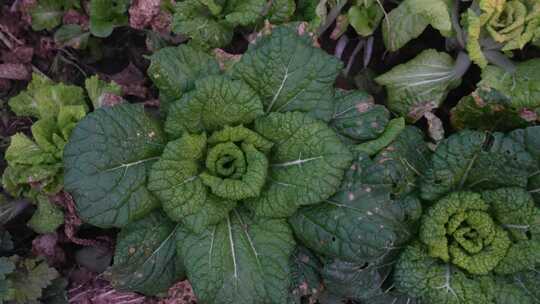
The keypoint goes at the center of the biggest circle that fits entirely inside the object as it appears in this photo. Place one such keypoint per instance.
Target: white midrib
(297, 162)
(278, 92)
(132, 164)
(233, 251)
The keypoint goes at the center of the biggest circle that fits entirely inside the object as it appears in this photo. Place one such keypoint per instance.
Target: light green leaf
(47, 14)
(289, 74)
(43, 98)
(47, 218)
(174, 70)
(105, 15)
(411, 18)
(365, 17)
(281, 11)
(306, 166)
(145, 258)
(392, 131)
(175, 181)
(97, 89)
(243, 260)
(106, 164)
(425, 79)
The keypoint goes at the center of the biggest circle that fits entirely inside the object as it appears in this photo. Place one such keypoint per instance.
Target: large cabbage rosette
(229, 151)
(479, 240)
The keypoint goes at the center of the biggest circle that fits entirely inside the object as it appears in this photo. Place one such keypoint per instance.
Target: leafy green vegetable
(47, 217)
(23, 280)
(365, 16)
(145, 257)
(99, 90)
(211, 24)
(239, 152)
(412, 17)
(479, 239)
(510, 23)
(106, 164)
(35, 165)
(105, 15)
(47, 14)
(425, 79)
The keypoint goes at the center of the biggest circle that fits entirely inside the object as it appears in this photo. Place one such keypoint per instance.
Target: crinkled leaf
(216, 101)
(241, 260)
(307, 163)
(521, 87)
(175, 181)
(105, 15)
(47, 14)
(145, 258)
(43, 98)
(107, 161)
(476, 160)
(289, 74)
(426, 78)
(174, 71)
(47, 218)
(30, 279)
(97, 90)
(411, 18)
(357, 117)
(361, 223)
(281, 11)
(188, 17)
(421, 276)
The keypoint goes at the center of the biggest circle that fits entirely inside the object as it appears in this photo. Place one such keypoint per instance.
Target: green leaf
(216, 101)
(31, 277)
(105, 15)
(421, 276)
(289, 74)
(72, 35)
(514, 209)
(411, 18)
(145, 258)
(43, 98)
(175, 181)
(486, 109)
(97, 90)
(241, 260)
(47, 218)
(188, 17)
(392, 131)
(174, 70)
(365, 17)
(425, 79)
(306, 166)
(357, 117)
(362, 222)
(305, 275)
(281, 11)
(476, 160)
(47, 14)
(107, 161)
